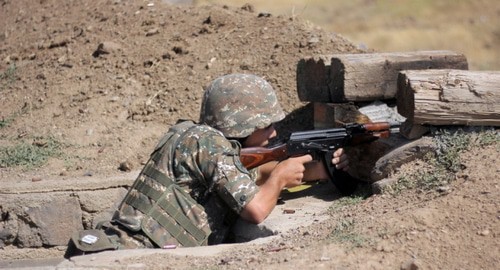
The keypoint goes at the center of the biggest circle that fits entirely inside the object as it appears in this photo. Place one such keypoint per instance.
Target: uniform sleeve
(220, 162)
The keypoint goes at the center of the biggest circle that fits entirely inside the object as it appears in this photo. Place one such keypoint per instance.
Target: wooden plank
(365, 77)
(312, 78)
(449, 97)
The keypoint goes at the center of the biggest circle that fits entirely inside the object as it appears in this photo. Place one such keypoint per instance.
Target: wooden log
(449, 97)
(365, 77)
(312, 78)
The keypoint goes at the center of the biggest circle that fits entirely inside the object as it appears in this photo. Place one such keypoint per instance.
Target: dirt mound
(106, 78)
(101, 80)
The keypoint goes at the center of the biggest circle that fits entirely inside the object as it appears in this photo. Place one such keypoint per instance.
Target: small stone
(484, 232)
(152, 32)
(125, 166)
(410, 265)
(106, 47)
(444, 189)
(313, 40)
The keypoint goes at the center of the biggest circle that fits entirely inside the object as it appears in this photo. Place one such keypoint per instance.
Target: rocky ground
(99, 81)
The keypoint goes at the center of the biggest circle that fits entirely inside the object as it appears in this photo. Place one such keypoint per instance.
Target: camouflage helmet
(237, 104)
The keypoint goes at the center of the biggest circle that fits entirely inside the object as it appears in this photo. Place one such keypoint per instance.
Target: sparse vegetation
(90, 103)
(8, 76)
(441, 167)
(488, 137)
(344, 230)
(29, 154)
(349, 200)
(358, 196)
(4, 122)
(344, 233)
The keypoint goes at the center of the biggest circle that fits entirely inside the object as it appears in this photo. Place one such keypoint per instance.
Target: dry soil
(105, 79)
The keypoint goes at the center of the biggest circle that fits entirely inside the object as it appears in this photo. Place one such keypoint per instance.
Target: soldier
(194, 186)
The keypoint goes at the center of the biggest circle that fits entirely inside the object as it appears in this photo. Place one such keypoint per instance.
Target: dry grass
(471, 27)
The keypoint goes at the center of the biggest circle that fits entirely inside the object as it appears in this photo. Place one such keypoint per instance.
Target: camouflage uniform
(209, 184)
(194, 184)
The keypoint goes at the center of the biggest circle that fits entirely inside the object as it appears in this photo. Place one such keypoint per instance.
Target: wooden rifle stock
(252, 157)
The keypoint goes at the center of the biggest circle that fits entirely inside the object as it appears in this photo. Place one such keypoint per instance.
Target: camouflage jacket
(190, 188)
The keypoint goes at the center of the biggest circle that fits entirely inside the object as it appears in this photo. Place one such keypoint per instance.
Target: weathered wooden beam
(313, 78)
(449, 97)
(365, 77)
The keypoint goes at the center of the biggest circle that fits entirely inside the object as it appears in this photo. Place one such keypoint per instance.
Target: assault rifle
(321, 144)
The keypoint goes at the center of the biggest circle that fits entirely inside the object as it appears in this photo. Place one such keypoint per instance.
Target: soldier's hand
(340, 160)
(292, 170)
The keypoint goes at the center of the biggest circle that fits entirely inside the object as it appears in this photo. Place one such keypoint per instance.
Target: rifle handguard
(342, 180)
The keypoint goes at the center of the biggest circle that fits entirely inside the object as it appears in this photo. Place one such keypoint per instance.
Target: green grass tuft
(8, 76)
(28, 154)
(344, 233)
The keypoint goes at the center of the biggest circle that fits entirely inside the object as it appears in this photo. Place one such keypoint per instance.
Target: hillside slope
(97, 82)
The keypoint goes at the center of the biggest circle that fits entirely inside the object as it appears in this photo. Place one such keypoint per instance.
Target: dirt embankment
(105, 78)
